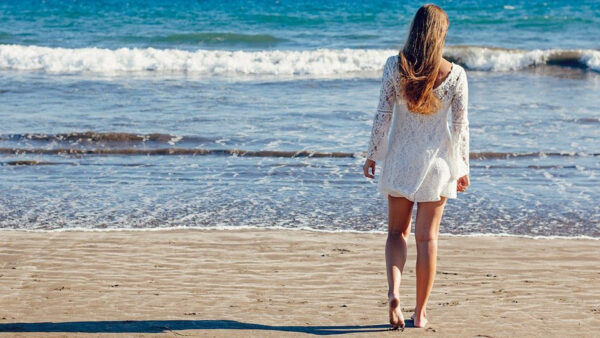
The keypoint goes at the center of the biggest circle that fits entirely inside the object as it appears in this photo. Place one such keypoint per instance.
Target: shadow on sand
(159, 326)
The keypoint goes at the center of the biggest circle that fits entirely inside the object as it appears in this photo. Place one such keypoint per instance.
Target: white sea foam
(592, 60)
(272, 62)
(318, 62)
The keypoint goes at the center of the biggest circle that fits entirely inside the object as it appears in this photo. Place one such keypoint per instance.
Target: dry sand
(274, 283)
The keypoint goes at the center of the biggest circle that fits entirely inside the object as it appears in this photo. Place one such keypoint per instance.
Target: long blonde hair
(420, 58)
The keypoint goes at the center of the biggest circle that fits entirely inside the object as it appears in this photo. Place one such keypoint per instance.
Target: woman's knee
(427, 229)
(397, 234)
(425, 236)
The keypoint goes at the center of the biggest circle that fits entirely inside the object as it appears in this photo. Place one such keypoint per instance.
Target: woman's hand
(369, 164)
(462, 183)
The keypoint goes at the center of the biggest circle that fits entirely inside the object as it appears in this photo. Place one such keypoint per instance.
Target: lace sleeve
(381, 122)
(460, 126)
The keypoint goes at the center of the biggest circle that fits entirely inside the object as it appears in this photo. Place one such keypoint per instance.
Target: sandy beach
(272, 283)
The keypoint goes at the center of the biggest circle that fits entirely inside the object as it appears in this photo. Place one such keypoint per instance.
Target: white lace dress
(422, 160)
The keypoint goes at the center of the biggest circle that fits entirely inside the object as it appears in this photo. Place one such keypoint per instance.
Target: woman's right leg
(400, 212)
(427, 226)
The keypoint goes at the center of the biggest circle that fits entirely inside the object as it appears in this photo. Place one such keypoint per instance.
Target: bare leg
(427, 226)
(400, 211)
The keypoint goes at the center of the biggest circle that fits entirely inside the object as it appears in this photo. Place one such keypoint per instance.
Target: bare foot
(396, 317)
(419, 322)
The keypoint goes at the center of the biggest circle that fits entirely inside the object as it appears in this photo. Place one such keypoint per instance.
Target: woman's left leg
(400, 212)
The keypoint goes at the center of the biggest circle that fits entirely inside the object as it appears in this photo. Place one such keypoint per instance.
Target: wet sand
(273, 283)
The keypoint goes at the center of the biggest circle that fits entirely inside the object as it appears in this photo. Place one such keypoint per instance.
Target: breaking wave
(318, 62)
(500, 59)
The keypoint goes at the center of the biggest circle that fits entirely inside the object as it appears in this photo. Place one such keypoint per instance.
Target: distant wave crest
(328, 62)
(209, 38)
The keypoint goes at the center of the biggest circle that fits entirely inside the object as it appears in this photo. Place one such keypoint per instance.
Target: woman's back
(422, 158)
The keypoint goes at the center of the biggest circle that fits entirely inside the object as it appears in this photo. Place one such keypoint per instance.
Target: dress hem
(393, 193)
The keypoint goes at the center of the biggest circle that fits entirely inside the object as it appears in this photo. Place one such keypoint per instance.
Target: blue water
(292, 24)
(138, 114)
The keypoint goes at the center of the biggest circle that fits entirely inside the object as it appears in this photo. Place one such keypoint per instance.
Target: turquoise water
(292, 24)
(151, 114)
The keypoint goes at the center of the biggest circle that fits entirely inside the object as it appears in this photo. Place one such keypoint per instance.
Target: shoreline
(273, 283)
(303, 229)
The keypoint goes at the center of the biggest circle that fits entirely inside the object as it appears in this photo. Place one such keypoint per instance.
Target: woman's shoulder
(391, 62)
(457, 75)
(459, 81)
(459, 71)
(460, 77)
(391, 66)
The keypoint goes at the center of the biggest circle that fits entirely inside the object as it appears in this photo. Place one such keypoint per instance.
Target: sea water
(155, 114)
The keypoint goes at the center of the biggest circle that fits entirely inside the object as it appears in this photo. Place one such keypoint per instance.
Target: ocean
(234, 114)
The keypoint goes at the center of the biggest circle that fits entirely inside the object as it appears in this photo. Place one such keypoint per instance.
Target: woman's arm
(460, 130)
(383, 117)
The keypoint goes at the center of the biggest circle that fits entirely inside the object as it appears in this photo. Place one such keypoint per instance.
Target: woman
(423, 161)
